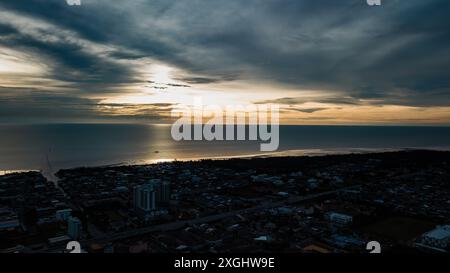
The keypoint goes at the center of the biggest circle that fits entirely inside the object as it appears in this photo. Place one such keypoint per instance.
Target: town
(323, 204)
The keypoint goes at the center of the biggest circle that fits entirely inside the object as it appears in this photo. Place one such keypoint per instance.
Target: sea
(50, 147)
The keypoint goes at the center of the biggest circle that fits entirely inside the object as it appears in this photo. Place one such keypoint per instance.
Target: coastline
(50, 176)
(288, 153)
(7, 172)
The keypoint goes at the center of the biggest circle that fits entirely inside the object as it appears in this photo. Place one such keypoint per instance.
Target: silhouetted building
(162, 192)
(63, 215)
(151, 196)
(144, 198)
(74, 228)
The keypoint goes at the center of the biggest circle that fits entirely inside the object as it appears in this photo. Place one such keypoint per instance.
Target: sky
(323, 61)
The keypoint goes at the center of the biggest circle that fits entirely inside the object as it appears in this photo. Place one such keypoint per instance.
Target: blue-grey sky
(326, 61)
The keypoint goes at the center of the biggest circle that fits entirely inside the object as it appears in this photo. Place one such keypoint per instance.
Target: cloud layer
(397, 54)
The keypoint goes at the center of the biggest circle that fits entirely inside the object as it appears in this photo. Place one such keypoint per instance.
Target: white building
(438, 238)
(340, 218)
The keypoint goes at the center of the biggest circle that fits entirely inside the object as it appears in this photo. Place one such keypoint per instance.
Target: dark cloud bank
(395, 54)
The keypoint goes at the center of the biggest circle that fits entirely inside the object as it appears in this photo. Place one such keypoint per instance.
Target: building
(340, 219)
(144, 198)
(345, 241)
(438, 238)
(74, 228)
(8, 219)
(63, 215)
(152, 195)
(59, 240)
(162, 191)
(9, 225)
(318, 248)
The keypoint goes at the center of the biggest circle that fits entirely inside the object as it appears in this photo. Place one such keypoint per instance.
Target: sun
(161, 74)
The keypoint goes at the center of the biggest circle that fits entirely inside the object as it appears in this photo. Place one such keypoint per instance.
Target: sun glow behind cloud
(13, 62)
(351, 65)
(161, 74)
(162, 86)
(313, 107)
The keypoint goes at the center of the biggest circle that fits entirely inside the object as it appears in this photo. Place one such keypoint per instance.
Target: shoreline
(287, 153)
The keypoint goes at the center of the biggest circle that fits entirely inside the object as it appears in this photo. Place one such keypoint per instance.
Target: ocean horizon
(50, 147)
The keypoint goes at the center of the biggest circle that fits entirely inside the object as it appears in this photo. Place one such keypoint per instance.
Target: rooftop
(439, 233)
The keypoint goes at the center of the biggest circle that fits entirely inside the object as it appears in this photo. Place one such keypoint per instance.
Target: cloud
(310, 110)
(31, 105)
(344, 100)
(397, 54)
(205, 80)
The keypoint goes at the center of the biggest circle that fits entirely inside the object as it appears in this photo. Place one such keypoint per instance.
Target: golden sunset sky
(323, 62)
